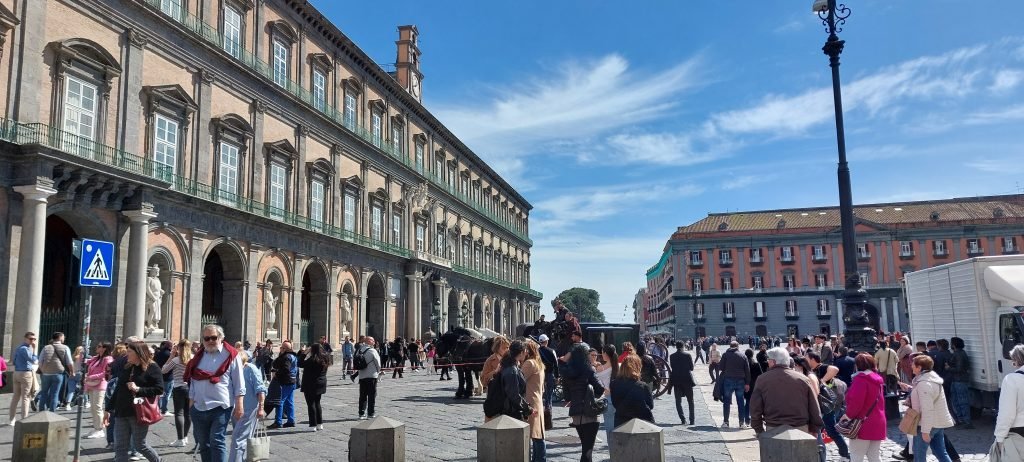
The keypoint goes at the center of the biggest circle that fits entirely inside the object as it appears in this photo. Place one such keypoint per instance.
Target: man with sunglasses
(216, 392)
(24, 359)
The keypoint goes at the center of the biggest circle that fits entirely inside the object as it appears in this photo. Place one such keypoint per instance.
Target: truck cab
(1005, 285)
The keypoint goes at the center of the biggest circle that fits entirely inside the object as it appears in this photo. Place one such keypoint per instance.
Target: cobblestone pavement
(437, 427)
(973, 445)
(441, 428)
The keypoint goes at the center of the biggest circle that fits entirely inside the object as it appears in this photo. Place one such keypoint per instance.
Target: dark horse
(458, 346)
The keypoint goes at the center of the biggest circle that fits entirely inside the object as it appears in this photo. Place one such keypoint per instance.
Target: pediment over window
(86, 53)
(282, 147)
(8, 20)
(320, 167)
(381, 194)
(353, 182)
(173, 98)
(281, 29)
(321, 61)
(421, 139)
(378, 105)
(352, 85)
(232, 123)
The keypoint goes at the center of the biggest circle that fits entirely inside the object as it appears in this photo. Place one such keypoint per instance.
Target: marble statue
(154, 298)
(346, 314)
(269, 306)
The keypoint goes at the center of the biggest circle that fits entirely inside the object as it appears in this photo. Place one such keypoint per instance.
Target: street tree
(583, 303)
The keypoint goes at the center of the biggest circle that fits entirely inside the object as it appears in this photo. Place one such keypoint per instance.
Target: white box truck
(980, 300)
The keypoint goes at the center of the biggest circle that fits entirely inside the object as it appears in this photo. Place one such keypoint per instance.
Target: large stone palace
(253, 167)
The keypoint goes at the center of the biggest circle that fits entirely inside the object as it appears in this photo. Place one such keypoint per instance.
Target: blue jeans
(287, 407)
(609, 422)
(938, 445)
(69, 397)
(549, 389)
(830, 428)
(51, 391)
(165, 396)
(540, 450)
(210, 428)
(733, 387)
(961, 399)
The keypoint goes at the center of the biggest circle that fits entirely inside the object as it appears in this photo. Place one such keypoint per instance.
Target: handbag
(258, 444)
(850, 427)
(592, 406)
(910, 421)
(147, 410)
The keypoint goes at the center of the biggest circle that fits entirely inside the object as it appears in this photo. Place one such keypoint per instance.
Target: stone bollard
(638, 440)
(787, 444)
(42, 437)
(379, 439)
(503, 439)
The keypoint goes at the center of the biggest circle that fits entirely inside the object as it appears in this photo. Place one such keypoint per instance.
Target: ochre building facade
(779, 272)
(253, 167)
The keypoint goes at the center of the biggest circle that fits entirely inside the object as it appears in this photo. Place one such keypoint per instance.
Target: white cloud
(880, 152)
(1000, 115)
(744, 181)
(998, 166)
(561, 211)
(659, 148)
(1006, 79)
(793, 25)
(580, 100)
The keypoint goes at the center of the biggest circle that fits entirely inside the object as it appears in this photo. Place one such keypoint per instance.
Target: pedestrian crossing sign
(96, 268)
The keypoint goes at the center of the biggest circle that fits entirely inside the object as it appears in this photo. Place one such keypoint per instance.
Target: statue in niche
(269, 306)
(346, 314)
(154, 298)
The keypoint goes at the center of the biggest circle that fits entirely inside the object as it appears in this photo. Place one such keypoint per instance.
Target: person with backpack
(55, 364)
(367, 364)
(831, 395)
(398, 354)
(286, 374)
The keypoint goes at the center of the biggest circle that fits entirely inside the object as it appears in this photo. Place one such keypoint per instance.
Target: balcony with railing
(60, 140)
(209, 34)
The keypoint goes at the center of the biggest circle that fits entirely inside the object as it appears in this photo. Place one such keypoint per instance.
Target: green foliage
(583, 303)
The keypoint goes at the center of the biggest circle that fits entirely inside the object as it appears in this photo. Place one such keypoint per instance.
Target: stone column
(193, 310)
(896, 315)
(29, 290)
(413, 305)
(28, 72)
(441, 290)
(390, 298)
(514, 318)
(251, 329)
(839, 312)
(138, 251)
(300, 184)
(256, 157)
(290, 324)
(360, 326)
(883, 321)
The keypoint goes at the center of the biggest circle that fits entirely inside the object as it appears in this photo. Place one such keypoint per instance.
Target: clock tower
(407, 63)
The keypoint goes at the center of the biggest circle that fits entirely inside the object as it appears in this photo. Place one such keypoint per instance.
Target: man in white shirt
(216, 391)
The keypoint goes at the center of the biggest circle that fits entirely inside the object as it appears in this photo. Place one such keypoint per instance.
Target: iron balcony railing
(60, 140)
(212, 36)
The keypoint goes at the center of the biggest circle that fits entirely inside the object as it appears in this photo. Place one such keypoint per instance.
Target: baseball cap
(543, 338)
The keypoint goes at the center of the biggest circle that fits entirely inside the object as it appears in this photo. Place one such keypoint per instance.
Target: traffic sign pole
(86, 324)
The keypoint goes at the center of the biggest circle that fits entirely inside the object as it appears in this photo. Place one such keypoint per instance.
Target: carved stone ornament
(259, 106)
(206, 76)
(137, 38)
(416, 196)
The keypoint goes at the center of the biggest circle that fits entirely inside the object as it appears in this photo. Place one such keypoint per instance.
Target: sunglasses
(210, 338)
(32, 339)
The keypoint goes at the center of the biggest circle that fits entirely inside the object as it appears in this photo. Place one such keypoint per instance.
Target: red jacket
(865, 391)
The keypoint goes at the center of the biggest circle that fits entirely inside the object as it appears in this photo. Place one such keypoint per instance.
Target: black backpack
(827, 399)
(359, 360)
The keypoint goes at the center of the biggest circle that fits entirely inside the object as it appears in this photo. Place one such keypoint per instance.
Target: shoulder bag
(850, 427)
(258, 444)
(147, 409)
(593, 406)
(911, 419)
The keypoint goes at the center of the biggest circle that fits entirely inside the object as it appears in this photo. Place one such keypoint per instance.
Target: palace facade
(779, 272)
(253, 167)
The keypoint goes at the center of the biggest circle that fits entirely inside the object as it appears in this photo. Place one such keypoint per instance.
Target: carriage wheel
(661, 386)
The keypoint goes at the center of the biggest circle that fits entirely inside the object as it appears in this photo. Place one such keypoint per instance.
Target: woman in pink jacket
(96, 386)
(865, 400)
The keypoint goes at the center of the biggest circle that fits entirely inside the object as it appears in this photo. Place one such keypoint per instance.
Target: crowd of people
(814, 384)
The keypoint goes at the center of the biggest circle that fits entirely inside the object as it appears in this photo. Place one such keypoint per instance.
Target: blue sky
(620, 121)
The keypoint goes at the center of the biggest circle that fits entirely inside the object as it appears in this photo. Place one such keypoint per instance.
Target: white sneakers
(361, 417)
(320, 427)
(12, 422)
(169, 413)
(97, 434)
(180, 443)
(314, 428)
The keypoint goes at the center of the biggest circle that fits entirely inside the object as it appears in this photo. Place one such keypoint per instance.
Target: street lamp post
(859, 335)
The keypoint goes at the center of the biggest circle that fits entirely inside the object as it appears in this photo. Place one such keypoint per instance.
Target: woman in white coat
(929, 399)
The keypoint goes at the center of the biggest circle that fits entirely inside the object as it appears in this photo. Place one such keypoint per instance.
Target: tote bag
(258, 444)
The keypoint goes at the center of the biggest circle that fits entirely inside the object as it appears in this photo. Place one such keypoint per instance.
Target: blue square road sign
(97, 264)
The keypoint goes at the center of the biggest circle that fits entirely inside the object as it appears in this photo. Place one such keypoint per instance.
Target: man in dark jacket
(734, 371)
(681, 380)
(286, 375)
(547, 356)
(847, 366)
(959, 370)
